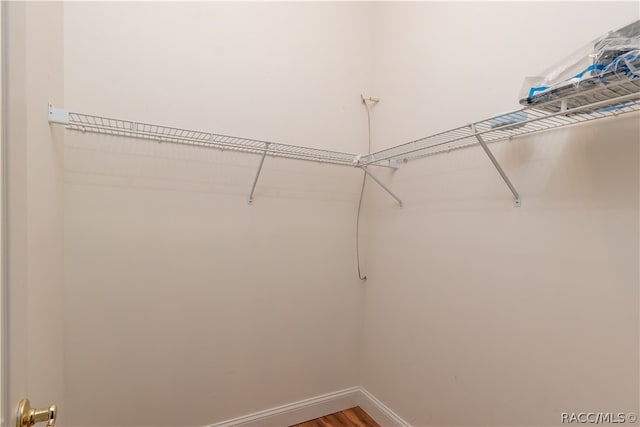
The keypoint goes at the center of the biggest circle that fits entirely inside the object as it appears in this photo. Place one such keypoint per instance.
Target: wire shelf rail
(126, 128)
(600, 101)
(596, 103)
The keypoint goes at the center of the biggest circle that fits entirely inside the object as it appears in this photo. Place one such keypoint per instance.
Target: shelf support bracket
(364, 168)
(255, 180)
(517, 203)
(58, 115)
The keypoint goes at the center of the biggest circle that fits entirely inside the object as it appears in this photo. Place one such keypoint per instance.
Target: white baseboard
(380, 412)
(318, 406)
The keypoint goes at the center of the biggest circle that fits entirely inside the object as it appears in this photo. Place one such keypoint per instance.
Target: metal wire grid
(583, 92)
(126, 128)
(593, 104)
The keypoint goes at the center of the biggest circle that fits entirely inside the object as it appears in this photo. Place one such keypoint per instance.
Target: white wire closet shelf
(600, 101)
(595, 103)
(159, 133)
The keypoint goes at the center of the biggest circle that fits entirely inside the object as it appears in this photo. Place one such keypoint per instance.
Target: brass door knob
(27, 416)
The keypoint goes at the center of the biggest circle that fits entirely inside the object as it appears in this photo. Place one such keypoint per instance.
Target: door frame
(4, 371)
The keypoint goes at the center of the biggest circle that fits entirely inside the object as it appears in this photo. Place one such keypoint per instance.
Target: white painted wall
(478, 313)
(34, 206)
(197, 308)
(184, 305)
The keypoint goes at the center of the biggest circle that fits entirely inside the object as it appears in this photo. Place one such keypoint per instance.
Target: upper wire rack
(599, 102)
(595, 103)
(127, 128)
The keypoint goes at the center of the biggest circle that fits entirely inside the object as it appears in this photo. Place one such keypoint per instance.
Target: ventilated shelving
(595, 103)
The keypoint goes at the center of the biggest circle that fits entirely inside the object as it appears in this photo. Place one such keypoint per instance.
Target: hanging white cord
(364, 181)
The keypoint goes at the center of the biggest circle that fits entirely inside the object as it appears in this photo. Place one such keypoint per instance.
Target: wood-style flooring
(354, 417)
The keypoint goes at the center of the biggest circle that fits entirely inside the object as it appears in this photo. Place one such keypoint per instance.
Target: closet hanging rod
(601, 102)
(127, 128)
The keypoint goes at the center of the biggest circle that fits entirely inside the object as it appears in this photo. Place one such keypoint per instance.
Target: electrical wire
(364, 181)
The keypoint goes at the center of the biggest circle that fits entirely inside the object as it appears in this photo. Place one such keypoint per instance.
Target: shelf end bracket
(58, 115)
(517, 202)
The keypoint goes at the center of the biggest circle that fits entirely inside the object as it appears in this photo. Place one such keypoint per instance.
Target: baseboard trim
(297, 412)
(318, 406)
(379, 411)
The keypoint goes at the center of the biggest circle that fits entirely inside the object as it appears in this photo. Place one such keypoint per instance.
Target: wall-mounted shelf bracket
(394, 163)
(387, 163)
(364, 168)
(517, 203)
(255, 180)
(58, 115)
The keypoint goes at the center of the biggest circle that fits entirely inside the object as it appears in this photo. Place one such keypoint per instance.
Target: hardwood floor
(354, 417)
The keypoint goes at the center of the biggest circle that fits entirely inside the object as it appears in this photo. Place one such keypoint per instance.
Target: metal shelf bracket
(394, 163)
(517, 202)
(58, 115)
(255, 180)
(364, 168)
